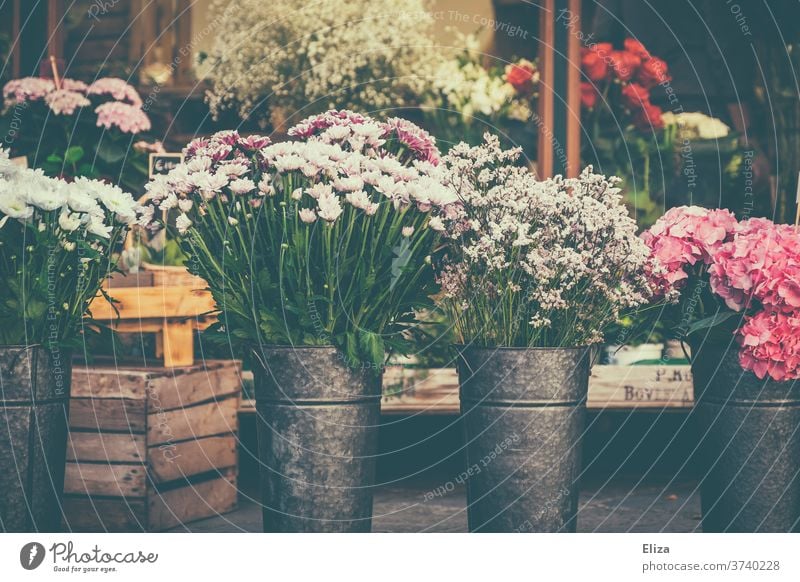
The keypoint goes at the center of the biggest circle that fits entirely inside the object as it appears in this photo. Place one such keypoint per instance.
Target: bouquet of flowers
(731, 278)
(281, 61)
(73, 129)
(464, 98)
(535, 263)
(56, 240)
(319, 241)
(625, 127)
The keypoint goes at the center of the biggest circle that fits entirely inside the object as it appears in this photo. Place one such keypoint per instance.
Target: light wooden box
(151, 448)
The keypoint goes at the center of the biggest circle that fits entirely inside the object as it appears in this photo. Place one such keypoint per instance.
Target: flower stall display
(317, 252)
(70, 128)
(732, 290)
(56, 240)
(464, 98)
(532, 274)
(277, 63)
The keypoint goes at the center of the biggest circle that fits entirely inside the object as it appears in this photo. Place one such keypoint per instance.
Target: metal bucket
(749, 437)
(523, 412)
(34, 407)
(317, 440)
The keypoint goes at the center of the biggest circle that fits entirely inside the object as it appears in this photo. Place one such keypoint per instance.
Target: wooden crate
(151, 448)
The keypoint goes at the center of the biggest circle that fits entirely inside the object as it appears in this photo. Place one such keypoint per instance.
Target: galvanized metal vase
(317, 440)
(749, 445)
(523, 412)
(34, 407)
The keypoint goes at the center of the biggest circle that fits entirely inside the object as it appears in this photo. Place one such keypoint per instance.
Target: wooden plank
(195, 501)
(104, 479)
(194, 422)
(98, 515)
(99, 446)
(435, 391)
(90, 381)
(108, 414)
(152, 302)
(201, 383)
(641, 387)
(168, 462)
(177, 343)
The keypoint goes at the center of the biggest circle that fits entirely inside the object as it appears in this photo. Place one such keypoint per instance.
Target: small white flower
(182, 223)
(232, 221)
(408, 231)
(242, 186)
(436, 224)
(185, 204)
(307, 215)
(297, 194)
(68, 221)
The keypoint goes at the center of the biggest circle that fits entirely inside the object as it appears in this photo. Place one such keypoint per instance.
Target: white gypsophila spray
(536, 263)
(290, 58)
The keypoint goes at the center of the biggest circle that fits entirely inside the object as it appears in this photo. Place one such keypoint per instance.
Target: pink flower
(145, 146)
(770, 343)
(421, 144)
(761, 262)
(128, 118)
(681, 238)
(116, 88)
(64, 102)
(26, 89)
(316, 124)
(74, 85)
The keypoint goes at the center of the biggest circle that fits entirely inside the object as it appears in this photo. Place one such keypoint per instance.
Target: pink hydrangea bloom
(761, 262)
(116, 88)
(127, 118)
(770, 343)
(416, 139)
(26, 89)
(683, 237)
(65, 102)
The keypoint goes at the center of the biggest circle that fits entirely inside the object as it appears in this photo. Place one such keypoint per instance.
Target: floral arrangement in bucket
(732, 279)
(534, 263)
(464, 97)
(279, 62)
(56, 244)
(72, 128)
(321, 241)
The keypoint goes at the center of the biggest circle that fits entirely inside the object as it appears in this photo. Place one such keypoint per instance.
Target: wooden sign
(163, 163)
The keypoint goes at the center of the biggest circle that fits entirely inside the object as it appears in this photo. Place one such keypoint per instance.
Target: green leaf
(54, 159)
(73, 154)
(712, 321)
(110, 152)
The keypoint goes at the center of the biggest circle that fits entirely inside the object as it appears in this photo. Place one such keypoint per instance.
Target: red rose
(634, 96)
(520, 76)
(603, 49)
(594, 66)
(648, 118)
(634, 46)
(588, 95)
(625, 64)
(653, 72)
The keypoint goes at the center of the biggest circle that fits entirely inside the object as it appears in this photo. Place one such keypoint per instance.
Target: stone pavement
(612, 507)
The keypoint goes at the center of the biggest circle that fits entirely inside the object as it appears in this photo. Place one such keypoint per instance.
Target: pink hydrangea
(417, 140)
(127, 118)
(770, 343)
(116, 88)
(26, 89)
(761, 262)
(65, 102)
(683, 237)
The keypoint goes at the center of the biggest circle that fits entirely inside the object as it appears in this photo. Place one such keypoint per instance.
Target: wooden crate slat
(214, 381)
(108, 414)
(171, 462)
(104, 479)
(112, 447)
(99, 381)
(105, 514)
(195, 501)
(194, 422)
